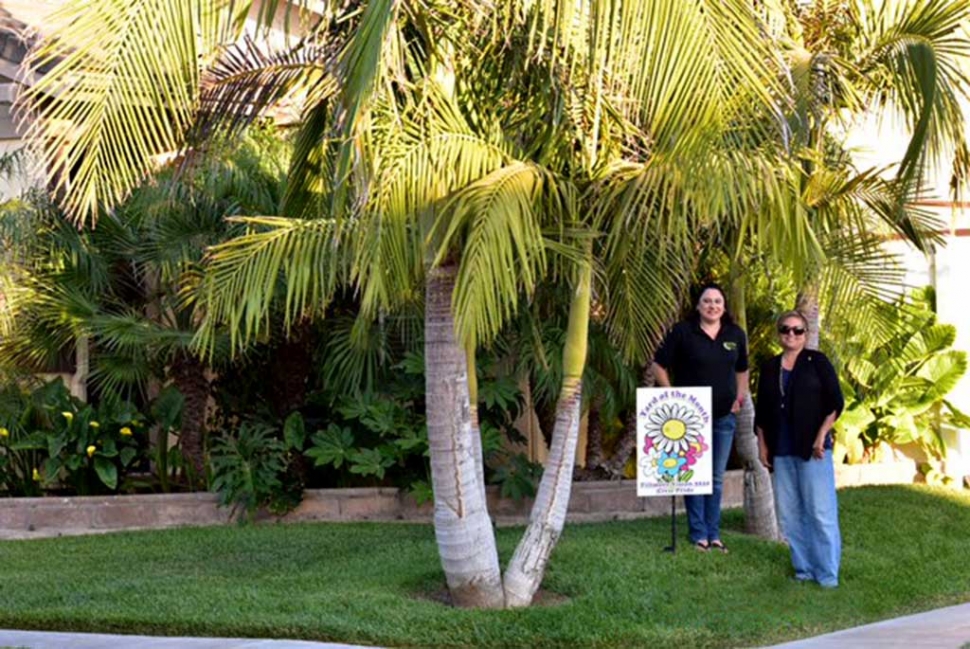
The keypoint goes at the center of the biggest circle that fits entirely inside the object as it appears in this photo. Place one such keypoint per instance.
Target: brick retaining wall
(589, 501)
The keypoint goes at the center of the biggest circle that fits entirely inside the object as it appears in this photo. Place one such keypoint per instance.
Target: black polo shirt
(694, 359)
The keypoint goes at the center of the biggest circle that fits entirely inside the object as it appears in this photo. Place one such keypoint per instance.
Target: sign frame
(674, 440)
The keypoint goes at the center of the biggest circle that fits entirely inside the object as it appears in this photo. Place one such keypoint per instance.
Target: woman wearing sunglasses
(799, 399)
(708, 350)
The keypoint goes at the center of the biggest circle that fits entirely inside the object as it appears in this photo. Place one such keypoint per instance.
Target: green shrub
(50, 441)
(247, 468)
(896, 388)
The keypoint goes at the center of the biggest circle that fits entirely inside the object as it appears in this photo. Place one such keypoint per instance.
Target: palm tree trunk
(759, 496)
(473, 414)
(528, 565)
(82, 356)
(463, 529)
(807, 304)
(188, 374)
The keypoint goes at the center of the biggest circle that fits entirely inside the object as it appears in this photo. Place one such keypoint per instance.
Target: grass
(904, 552)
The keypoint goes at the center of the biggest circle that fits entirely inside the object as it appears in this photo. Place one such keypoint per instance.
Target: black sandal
(702, 546)
(718, 545)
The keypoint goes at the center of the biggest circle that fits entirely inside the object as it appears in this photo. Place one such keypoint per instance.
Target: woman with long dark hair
(708, 350)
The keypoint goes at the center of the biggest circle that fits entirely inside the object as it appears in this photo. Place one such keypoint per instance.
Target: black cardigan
(813, 393)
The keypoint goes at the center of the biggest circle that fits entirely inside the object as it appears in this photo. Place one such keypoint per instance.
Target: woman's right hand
(765, 460)
(763, 454)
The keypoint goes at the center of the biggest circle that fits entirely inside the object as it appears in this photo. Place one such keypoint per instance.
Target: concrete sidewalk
(944, 628)
(46, 640)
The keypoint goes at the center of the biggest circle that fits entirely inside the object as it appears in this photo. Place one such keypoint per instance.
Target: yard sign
(673, 441)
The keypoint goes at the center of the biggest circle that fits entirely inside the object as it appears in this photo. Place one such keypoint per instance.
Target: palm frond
(357, 350)
(499, 220)
(132, 333)
(424, 158)
(13, 163)
(242, 276)
(308, 190)
(642, 295)
(109, 105)
(361, 63)
(247, 79)
(916, 53)
(859, 287)
(126, 373)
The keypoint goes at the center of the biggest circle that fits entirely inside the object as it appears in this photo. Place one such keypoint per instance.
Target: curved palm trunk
(759, 496)
(463, 529)
(528, 565)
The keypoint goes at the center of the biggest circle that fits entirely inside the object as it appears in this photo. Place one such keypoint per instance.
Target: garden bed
(590, 501)
(41, 517)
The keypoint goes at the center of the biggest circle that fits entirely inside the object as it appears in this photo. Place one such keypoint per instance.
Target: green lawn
(905, 551)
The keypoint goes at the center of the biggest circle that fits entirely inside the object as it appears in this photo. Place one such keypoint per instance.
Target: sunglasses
(785, 329)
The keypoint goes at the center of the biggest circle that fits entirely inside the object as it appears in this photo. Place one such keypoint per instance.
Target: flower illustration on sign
(650, 460)
(670, 464)
(696, 450)
(673, 427)
(672, 443)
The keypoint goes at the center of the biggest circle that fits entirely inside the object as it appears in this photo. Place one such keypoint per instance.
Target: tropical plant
(21, 460)
(52, 441)
(846, 61)
(246, 467)
(376, 432)
(901, 60)
(896, 388)
(118, 287)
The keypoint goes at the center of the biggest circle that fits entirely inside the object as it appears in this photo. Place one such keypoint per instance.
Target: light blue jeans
(808, 514)
(704, 512)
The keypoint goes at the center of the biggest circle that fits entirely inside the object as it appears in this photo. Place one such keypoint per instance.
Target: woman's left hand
(818, 450)
(736, 406)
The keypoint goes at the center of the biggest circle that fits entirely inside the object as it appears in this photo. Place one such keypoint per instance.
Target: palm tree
(902, 59)
(846, 60)
(471, 156)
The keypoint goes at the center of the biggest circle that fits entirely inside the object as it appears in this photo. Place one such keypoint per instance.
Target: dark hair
(695, 315)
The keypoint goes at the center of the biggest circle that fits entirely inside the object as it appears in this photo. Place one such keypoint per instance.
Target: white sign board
(673, 441)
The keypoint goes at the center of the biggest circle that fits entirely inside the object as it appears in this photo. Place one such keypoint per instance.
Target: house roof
(20, 20)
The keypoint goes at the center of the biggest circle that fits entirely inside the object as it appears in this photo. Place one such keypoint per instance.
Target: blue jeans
(704, 512)
(808, 514)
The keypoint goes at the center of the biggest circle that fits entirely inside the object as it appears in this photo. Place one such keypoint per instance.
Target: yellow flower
(36, 475)
(69, 416)
(4, 432)
(94, 424)
(125, 431)
(91, 450)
